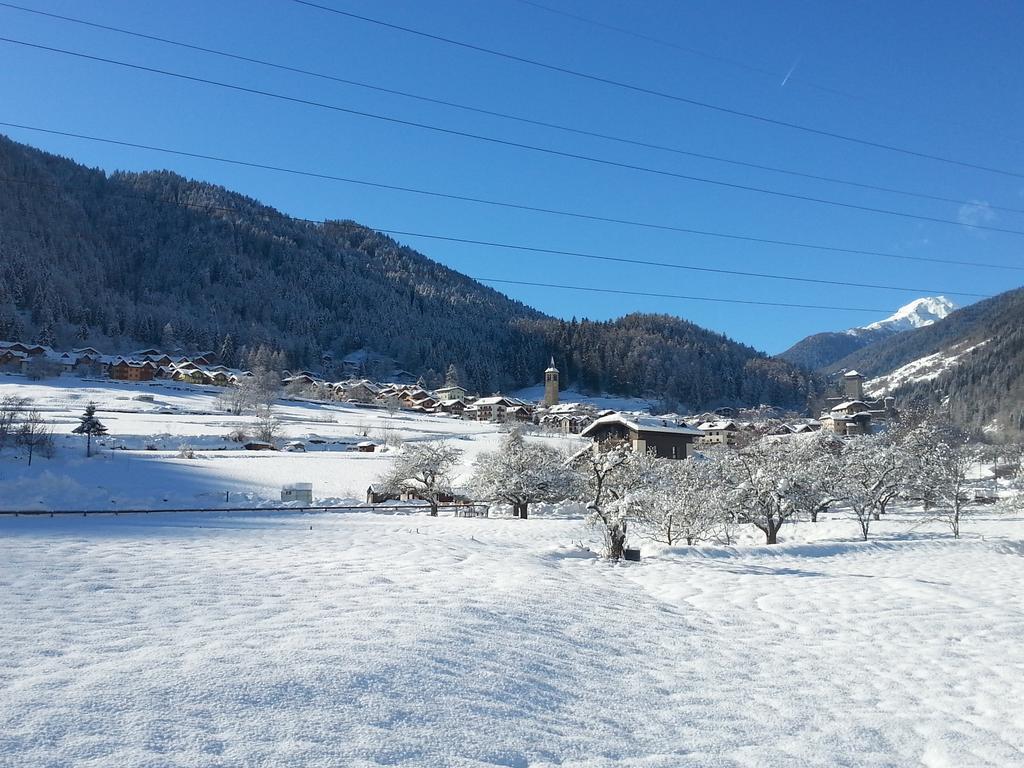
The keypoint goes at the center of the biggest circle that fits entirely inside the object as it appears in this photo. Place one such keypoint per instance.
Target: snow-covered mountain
(823, 349)
(916, 314)
(971, 363)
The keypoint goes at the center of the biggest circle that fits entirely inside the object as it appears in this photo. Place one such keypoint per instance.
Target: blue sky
(940, 78)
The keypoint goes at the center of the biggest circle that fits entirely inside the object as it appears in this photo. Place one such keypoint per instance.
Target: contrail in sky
(788, 74)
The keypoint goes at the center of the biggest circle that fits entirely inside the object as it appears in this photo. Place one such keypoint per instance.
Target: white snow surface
(916, 314)
(284, 639)
(922, 369)
(276, 639)
(137, 466)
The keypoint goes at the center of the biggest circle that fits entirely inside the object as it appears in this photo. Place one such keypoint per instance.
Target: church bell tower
(551, 385)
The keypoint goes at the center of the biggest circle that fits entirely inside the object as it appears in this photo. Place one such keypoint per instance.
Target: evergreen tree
(89, 426)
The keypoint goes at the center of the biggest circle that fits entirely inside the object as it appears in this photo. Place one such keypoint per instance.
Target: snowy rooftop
(717, 426)
(642, 424)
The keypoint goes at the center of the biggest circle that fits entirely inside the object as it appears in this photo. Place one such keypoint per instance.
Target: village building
(452, 392)
(551, 385)
(11, 360)
(496, 408)
(718, 433)
(132, 370)
(361, 391)
(567, 418)
(666, 438)
(853, 413)
(452, 407)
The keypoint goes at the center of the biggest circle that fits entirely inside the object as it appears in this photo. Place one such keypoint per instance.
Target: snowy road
(371, 640)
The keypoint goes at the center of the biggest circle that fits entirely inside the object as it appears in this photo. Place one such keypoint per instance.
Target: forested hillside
(155, 259)
(823, 349)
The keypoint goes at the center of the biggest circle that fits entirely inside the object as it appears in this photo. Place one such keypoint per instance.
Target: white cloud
(975, 213)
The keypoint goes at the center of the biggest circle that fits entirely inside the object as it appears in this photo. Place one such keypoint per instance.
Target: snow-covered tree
(521, 473)
(89, 426)
(423, 469)
(612, 482)
(263, 387)
(874, 472)
(943, 457)
(688, 503)
(818, 473)
(765, 478)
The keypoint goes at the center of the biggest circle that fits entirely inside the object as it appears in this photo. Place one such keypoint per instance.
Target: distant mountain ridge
(917, 314)
(971, 363)
(822, 350)
(139, 259)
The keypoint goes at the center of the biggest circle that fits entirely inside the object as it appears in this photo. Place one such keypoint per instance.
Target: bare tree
(11, 409)
(521, 473)
(235, 399)
(423, 470)
(262, 388)
(266, 428)
(35, 433)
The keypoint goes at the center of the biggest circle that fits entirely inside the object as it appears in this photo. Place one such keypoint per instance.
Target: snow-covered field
(364, 639)
(137, 464)
(359, 639)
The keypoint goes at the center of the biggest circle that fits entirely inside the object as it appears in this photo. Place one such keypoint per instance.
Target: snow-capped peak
(916, 314)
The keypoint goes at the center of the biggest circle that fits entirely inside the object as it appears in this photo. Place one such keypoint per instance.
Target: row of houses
(144, 365)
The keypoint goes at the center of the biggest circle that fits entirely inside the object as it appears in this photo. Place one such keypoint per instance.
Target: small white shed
(298, 492)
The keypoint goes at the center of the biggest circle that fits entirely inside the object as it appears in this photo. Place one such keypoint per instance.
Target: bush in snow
(11, 409)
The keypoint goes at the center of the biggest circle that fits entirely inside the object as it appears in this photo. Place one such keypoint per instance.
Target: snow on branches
(521, 473)
(423, 470)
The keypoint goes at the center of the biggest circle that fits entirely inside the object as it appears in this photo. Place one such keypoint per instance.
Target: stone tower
(551, 385)
(853, 385)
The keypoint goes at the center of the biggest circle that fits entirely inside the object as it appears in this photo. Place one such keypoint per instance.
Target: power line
(510, 205)
(716, 299)
(660, 94)
(746, 65)
(320, 223)
(673, 265)
(508, 116)
(672, 295)
(515, 144)
(510, 246)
